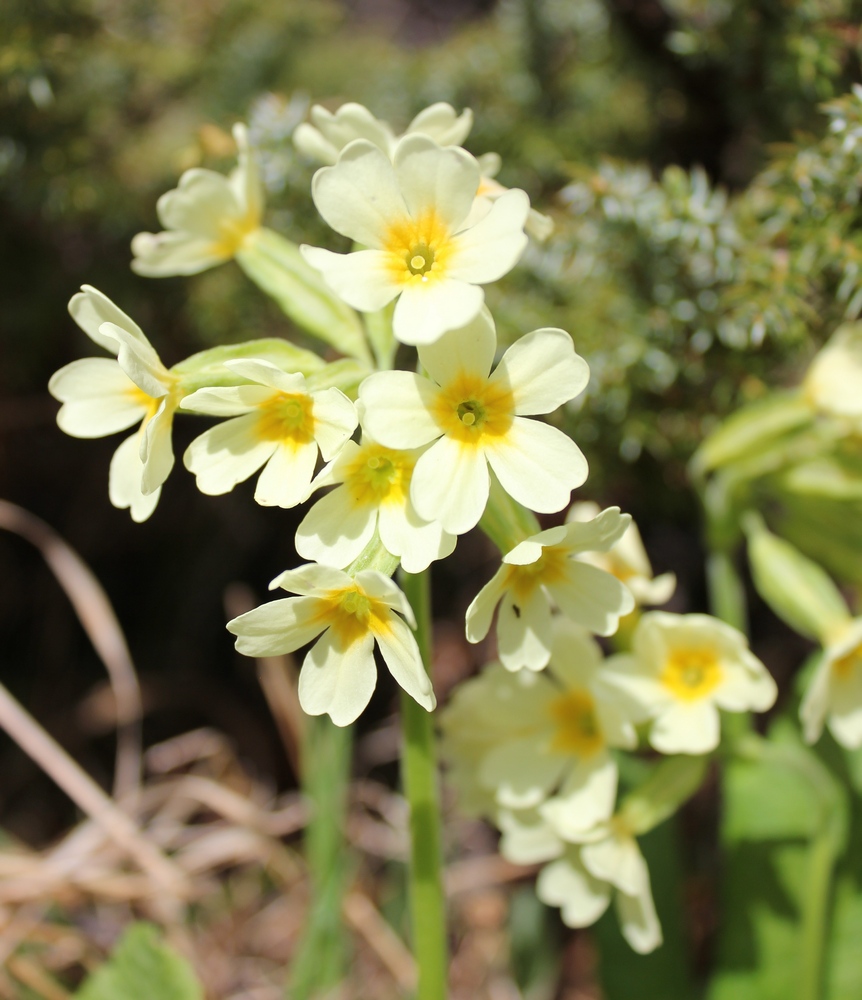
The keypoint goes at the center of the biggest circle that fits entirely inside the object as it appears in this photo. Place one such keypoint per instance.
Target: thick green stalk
(419, 777)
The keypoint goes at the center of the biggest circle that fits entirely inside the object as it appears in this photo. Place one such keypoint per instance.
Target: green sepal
(505, 521)
(668, 786)
(839, 478)
(794, 586)
(749, 430)
(277, 267)
(344, 374)
(206, 368)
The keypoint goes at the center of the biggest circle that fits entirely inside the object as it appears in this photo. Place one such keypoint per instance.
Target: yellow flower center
(140, 398)
(576, 728)
(470, 409)
(845, 666)
(352, 614)
(550, 567)
(690, 674)
(287, 418)
(379, 475)
(417, 248)
(233, 233)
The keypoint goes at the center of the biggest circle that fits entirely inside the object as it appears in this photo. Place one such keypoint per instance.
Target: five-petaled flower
(374, 493)
(207, 219)
(413, 214)
(101, 396)
(475, 419)
(542, 571)
(277, 423)
(682, 670)
(338, 674)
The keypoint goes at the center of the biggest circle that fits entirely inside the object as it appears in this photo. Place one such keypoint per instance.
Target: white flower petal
(362, 278)
(686, 727)
(467, 351)
(396, 409)
(537, 465)
(359, 197)
(227, 454)
(450, 483)
(416, 542)
(89, 308)
(338, 681)
(587, 797)
(526, 837)
(201, 200)
(617, 860)
(227, 401)
(434, 180)
(402, 657)
(98, 398)
(312, 580)
(443, 124)
(592, 598)
(481, 610)
(382, 588)
(639, 921)
(335, 419)
(335, 531)
(493, 246)
(162, 255)
(815, 701)
(159, 452)
(576, 658)
(521, 772)
(567, 884)
(746, 686)
(524, 631)
(277, 627)
(286, 477)
(124, 481)
(429, 308)
(542, 371)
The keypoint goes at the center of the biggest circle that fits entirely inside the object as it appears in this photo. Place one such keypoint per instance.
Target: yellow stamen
(379, 475)
(691, 673)
(233, 233)
(471, 409)
(352, 614)
(288, 418)
(418, 248)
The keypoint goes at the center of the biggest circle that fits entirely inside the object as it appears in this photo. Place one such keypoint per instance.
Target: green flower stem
(419, 776)
(505, 521)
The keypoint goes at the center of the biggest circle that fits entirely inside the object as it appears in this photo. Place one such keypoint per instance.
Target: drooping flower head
(834, 696)
(682, 670)
(412, 213)
(276, 423)
(542, 571)
(338, 674)
(101, 396)
(207, 219)
(542, 740)
(374, 494)
(476, 418)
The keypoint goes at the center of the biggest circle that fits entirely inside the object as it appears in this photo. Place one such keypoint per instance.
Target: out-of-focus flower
(546, 570)
(207, 219)
(833, 382)
(412, 213)
(834, 695)
(374, 494)
(682, 670)
(475, 419)
(328, 133)
(626, 560)
(338, 674)
(552, 749)
(101, 396)
(277, 423)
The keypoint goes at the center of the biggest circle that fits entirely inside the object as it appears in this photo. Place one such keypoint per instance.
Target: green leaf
(828, 530)
(795, 587)
(751, 429)
(826, 477)
(277, 267)
(142, 967)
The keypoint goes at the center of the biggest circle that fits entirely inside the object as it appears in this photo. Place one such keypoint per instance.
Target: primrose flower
(682, 669)
(412, 213)
(834, 695)
(476, 419)
(626, 559)
(277, 423)
(101, 396)
(328, 133)
(544, 570)
(544, 740)
(833, 382)
(538, 226)
(207, 219)
(374, 494)
(338, 675)
(607, 863)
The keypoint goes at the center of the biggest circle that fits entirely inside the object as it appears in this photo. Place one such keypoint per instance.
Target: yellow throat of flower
(576, 728)
(287, 418)
(418, 249)
(233, 233)
(549, 568)
(846, 666)
(352, 614)
(378, 476)
(470, 409)
(691, 673)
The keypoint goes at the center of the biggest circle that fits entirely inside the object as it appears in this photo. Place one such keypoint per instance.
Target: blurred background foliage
(701, 160)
